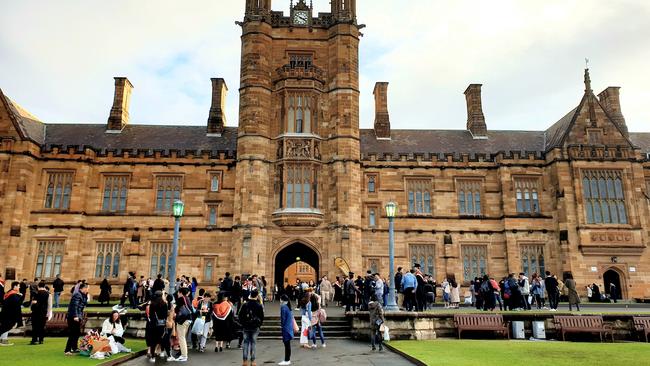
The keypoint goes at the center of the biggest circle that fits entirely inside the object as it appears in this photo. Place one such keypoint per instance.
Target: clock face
(301, 17)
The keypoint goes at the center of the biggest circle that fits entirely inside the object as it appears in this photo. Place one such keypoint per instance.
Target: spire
(587, 78)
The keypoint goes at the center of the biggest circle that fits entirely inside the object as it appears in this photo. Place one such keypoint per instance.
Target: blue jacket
(77, 305)
(409, 281)
(286, 323)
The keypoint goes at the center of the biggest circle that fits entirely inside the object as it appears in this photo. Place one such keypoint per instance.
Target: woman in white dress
(305, 318)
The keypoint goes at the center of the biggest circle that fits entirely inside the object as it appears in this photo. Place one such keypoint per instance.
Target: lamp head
(391, 209)
(177, 208)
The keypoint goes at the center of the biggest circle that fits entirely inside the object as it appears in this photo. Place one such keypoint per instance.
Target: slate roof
(193, 138)
(450, 141)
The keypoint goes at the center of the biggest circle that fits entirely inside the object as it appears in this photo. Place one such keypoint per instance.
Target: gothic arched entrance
(611, 276)
(294, 254)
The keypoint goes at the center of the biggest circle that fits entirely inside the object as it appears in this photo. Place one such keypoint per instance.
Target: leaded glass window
(469, 197)
(59, 190)
(603, 197)
(115, 192)
(419, 196)
(527, 195)
(212, 215)
(301, 186)
(532, 259)
(49, 258)
(372, 217)
(160, 254)
(300, 112)
(108, 259)
(474, 261)
(168, 190)
(425, 255)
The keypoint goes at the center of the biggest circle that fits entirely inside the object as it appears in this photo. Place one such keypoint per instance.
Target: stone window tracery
(300, 112)
(59, 190)
(527, 195)
(107, 264)
(603, 197)
(419, 196)
(469, 197)
(424, 254)
(168, 190)
(49, 258)
(115, 193)
(160, 253)
(532, 259)
(212, 215)
(301, 188)
(474, 261)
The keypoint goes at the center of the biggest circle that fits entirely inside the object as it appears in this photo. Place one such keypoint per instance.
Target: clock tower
(298, 169)
(301, 14)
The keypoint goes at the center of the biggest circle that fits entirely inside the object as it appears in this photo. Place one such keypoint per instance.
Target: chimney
(382, 119)
(475, 118)
(217, 116)
(119, 116)
(611, 101)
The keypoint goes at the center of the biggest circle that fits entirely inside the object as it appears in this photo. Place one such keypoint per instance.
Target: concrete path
(337, 353)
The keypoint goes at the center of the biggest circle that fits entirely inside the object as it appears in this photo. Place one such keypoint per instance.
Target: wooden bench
(489, 322)
(582, 324)
(59, 322)
(642, 325)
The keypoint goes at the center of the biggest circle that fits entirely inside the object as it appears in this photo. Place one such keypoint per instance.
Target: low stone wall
(421, 326)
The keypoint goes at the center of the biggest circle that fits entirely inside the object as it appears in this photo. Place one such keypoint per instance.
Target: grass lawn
(524, 353)
(51, 353)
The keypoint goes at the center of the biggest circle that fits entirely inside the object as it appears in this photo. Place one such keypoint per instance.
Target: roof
(141, 137)
(642, 140)
(451, 141)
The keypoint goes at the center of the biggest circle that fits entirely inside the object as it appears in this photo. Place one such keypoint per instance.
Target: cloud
(59, 58)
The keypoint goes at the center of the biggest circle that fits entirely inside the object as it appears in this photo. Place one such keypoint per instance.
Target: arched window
(371, 184)
(372, 218)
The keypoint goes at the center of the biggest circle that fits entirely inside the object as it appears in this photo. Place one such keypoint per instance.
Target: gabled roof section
(28, 126)
(559, 132)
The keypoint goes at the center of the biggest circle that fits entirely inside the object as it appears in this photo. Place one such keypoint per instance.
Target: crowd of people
(235, 310)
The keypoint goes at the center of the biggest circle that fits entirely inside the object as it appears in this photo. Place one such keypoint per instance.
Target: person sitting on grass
(11, 313)
(112, 326)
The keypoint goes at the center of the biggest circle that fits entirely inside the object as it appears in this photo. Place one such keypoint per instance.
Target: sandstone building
(299, 178)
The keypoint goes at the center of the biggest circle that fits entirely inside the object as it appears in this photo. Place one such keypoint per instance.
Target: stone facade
(299, 178)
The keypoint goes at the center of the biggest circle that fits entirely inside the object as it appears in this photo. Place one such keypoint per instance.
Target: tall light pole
(177, 212)
(391, 210)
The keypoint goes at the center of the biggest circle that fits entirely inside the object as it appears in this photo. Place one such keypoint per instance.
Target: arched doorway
(294, 254)
(611, 276)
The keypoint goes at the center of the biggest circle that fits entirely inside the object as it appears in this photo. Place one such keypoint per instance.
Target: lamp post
(391, 210)
(177, 212)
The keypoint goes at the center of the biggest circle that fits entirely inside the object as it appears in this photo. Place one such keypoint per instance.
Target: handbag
(198, 326)
(386, 334)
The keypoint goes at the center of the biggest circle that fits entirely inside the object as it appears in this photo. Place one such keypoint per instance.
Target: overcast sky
(58, 58)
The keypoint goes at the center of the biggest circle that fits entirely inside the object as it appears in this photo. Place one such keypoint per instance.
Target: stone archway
(613, 276)
(288, 256)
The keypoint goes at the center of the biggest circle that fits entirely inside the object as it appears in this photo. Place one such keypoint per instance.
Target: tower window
(300, 61)
(300, 109)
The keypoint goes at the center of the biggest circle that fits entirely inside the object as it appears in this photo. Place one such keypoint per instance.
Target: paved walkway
(337, 353)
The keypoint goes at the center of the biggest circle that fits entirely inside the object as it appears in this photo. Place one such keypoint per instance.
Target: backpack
(485, 288)
(248, 318)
